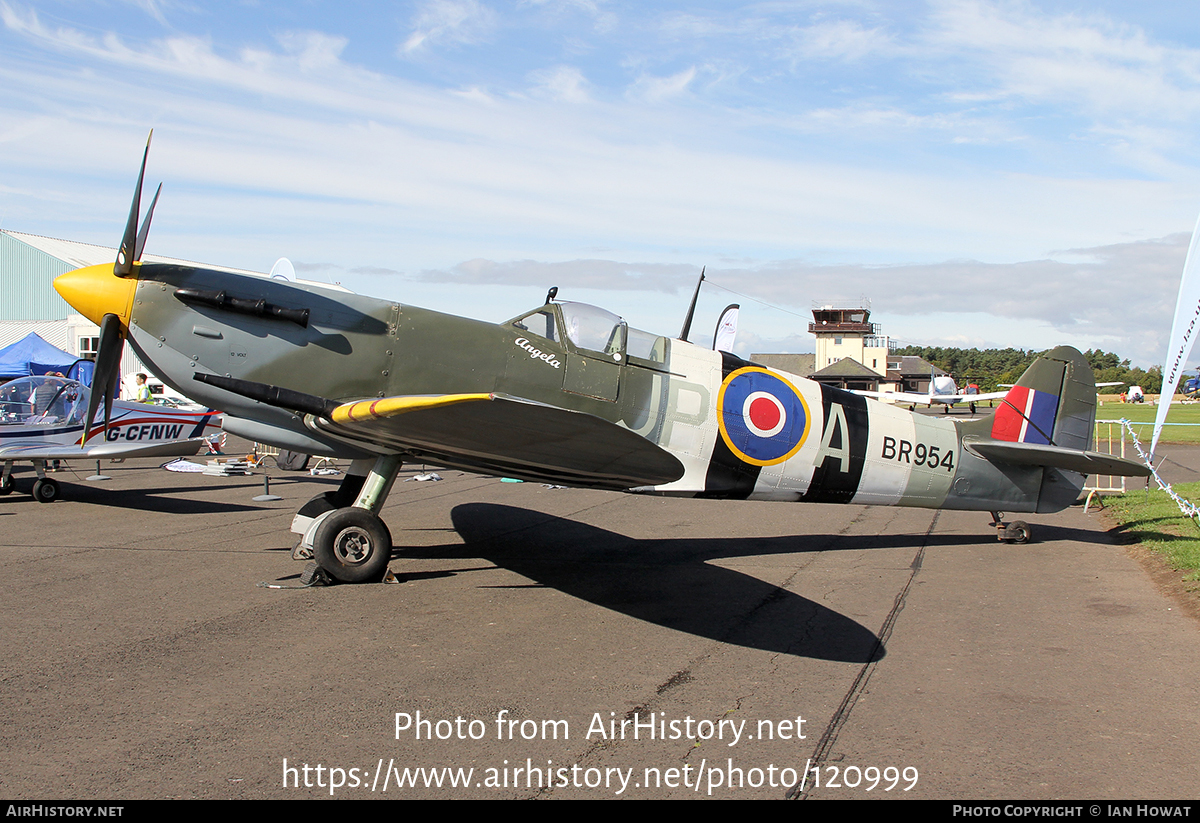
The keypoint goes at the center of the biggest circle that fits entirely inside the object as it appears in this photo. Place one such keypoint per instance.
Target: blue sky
(986, 173)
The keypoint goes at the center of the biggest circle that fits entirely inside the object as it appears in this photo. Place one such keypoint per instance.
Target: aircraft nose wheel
(45, 490)
(353, 545)
(7, 484)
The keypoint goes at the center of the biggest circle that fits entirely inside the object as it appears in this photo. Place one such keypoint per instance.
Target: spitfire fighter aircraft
(565, 393)
(42, 418)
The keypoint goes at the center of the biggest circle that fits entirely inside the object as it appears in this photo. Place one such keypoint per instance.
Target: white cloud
(313, 49)
(449, 21)
(1086, 63)
(1085, 298)
(657, 89)
(565, 83)
(603, 20)
(837, 40)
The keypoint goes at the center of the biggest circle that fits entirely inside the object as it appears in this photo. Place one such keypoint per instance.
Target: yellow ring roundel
(763, 418)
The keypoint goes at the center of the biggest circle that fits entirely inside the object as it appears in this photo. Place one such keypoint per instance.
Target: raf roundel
(763, 418)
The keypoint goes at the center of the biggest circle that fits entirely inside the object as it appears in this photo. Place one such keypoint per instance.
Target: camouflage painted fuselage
(740, 430)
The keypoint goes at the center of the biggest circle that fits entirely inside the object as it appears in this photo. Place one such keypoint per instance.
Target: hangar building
(28, 302)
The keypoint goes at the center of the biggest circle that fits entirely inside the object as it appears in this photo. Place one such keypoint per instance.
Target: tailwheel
(353, 545)
(45, 490)
(1017, 531)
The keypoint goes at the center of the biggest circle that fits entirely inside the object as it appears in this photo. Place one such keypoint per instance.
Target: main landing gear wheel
(7, 485)
(353, 545)
(1017, 532)
(45, 490)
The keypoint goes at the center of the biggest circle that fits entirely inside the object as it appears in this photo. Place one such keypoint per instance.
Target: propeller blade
(110, 390)
(125, 256)
(145, 229)
(108, 371)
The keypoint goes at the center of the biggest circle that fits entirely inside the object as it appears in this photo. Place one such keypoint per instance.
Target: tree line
(991, 367)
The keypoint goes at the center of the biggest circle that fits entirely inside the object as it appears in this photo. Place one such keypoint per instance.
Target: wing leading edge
(501, 433)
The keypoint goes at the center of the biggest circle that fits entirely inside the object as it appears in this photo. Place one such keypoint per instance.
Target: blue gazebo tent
(33, 355)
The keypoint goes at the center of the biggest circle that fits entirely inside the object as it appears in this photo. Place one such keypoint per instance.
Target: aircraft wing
(975, 398)
(508, 435)
(100, 451)
(897, 396)
(909, 397)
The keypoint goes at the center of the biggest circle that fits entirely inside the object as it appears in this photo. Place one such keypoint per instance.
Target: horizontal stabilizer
(1057, 457)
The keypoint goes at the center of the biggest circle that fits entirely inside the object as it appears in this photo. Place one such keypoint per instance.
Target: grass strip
(1153, 519)
(1142, 416)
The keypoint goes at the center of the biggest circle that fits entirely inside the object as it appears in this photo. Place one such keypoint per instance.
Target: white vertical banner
(726, 329)
(1183, 334)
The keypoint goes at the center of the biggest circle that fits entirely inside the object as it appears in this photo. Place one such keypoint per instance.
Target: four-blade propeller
(107, 376)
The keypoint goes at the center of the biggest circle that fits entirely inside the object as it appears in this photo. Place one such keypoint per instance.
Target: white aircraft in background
(942, 390)
(42, 418)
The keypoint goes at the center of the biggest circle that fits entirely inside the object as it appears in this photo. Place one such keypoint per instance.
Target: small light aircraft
(41, 419)
(942, 390)
(564, 393)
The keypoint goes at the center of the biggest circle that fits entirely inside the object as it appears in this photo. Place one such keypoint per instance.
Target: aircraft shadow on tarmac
(666, 582)
(670, 583)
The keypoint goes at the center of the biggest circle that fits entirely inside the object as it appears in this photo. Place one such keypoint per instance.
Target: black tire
(7, 485)
(46, 490)
(1017, 531)
(353, 545)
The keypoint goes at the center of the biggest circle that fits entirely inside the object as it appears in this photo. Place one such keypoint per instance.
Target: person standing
(141, 394)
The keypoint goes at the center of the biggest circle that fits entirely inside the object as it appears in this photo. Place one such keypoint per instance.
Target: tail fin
(1046, 419)
(1053, 404)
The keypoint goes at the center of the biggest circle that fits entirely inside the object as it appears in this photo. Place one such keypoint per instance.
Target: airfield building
(849, 333)
(853, 353)
(28, 265)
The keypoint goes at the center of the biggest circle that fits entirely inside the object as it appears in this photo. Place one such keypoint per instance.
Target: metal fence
(1116, 434)
(1110, 437)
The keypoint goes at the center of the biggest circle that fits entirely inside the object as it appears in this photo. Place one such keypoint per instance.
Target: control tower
(843, 332)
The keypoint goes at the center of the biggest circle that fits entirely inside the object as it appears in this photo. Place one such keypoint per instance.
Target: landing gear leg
(314, 511)
(353, 544)
(1017, 531)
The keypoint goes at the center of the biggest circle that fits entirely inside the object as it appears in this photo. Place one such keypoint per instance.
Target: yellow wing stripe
(392, 406)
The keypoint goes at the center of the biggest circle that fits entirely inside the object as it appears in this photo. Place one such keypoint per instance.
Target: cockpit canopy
(43, 400)
(592, 329)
